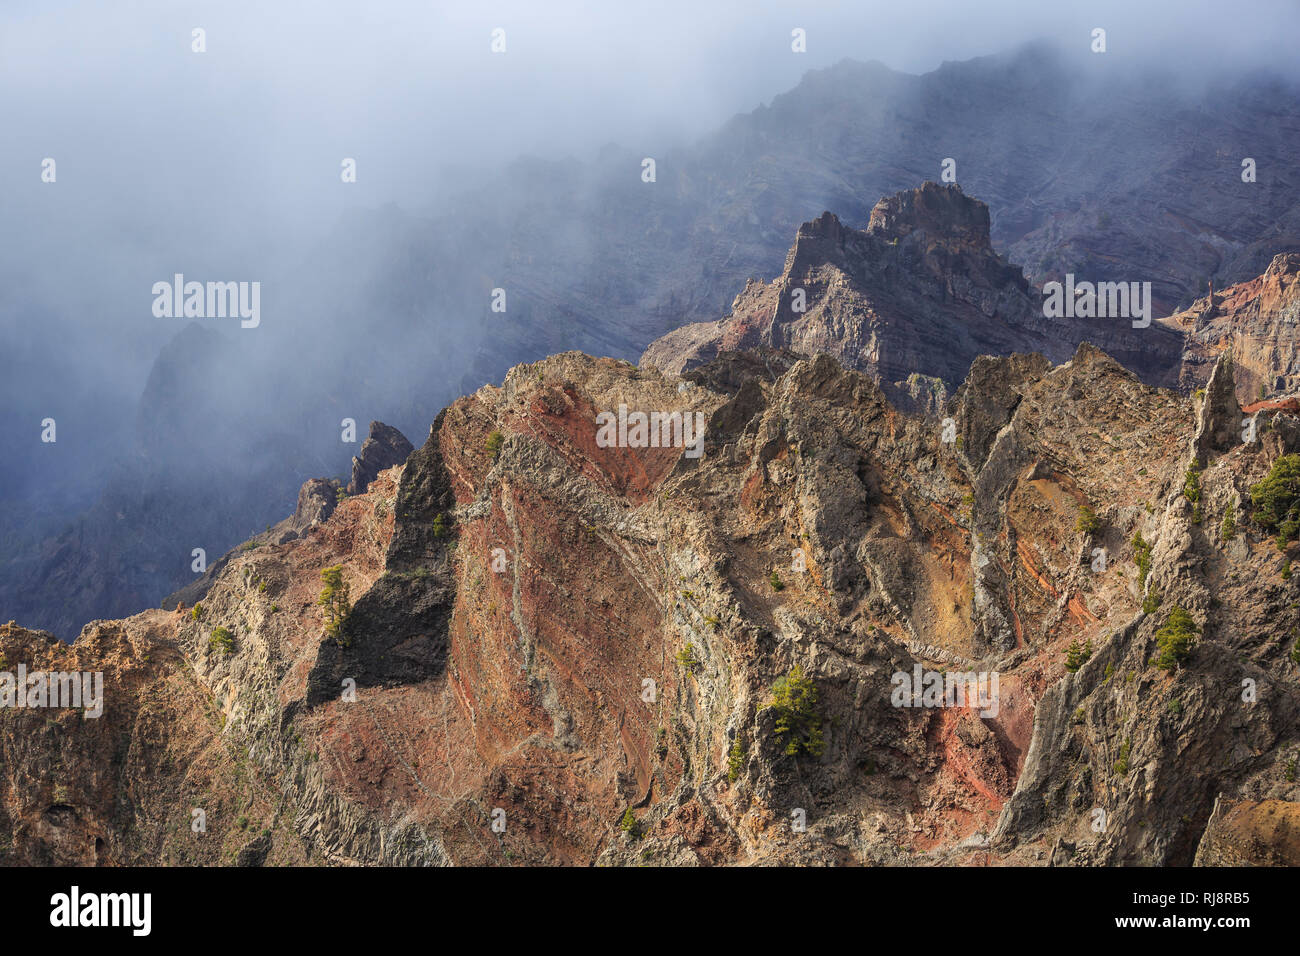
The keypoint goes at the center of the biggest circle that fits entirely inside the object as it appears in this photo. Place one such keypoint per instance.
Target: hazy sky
(225, 164)
(412, 90)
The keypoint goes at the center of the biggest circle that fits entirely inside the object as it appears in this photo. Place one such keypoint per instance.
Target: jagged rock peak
(920, 291)
(317, 499)
(940, 212)
(1284, 263)
(1219, 422)
(822, 241)
(1088, 354)
(827, 224)
(383, 448)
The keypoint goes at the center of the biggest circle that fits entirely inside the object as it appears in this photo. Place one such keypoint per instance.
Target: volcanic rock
(383, 448)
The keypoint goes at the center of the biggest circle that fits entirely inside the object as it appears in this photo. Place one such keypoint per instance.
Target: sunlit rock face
(549, 633)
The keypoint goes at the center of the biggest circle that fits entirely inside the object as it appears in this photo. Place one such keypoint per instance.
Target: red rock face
(1289, 405)
(550, 654)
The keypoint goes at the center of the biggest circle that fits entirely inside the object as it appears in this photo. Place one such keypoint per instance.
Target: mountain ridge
(469, 691)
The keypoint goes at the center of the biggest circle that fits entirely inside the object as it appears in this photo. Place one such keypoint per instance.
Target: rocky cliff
(1257, 321)
(917, 294)
(566, 650)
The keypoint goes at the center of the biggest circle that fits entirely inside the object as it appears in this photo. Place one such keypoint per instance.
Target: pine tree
(1088, 522)
(221, 640)
(629, 824)
(735, 761)
(1275, 501)
(1141, 557)
(1228, 531)
(1175, 638)
(334, 599)
(798, 725)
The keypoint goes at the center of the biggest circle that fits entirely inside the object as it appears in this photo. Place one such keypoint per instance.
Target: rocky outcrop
(919, 292)
(383, 448)
(1219, 423)
(549, 630)
(317, 499)
(1258, 322)
(153, 780)
(1111, 776)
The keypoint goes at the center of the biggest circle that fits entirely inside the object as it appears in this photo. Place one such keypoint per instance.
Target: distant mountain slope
(1107, 175)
